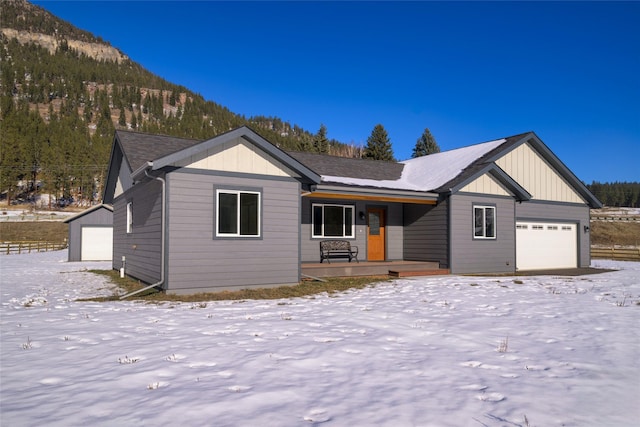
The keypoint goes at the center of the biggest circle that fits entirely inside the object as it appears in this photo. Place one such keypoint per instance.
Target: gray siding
(198, 262)
(394, 229)
(469, 255)
(426, 233)
(99, 217)
(142, 247)
(549, 211)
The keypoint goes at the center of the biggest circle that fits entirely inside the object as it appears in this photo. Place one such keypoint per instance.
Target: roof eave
(562, 169)
(354, 191)
(250, 136)
(114, 164)
(140, 172)
(499, 175)
(88, 211)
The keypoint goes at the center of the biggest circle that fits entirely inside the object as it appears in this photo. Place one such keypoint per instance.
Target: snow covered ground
(436, 351)
(615, 211)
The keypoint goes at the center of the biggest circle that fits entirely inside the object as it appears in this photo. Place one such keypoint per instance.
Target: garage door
(542, 245)
(96, 243)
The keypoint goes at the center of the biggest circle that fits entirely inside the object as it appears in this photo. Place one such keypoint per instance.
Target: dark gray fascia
(250, 136)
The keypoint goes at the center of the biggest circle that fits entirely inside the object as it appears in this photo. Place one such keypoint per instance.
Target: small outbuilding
(91, 234)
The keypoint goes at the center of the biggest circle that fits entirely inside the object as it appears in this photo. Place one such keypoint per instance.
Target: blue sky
(469, 71)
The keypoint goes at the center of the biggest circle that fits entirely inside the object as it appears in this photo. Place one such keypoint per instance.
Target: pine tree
(378, 145)
(122, 119)
(320, 140)
(425, 145)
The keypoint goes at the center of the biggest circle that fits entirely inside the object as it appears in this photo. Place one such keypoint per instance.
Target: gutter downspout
(162, 238)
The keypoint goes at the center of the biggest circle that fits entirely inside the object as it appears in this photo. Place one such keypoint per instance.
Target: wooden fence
(622, 254)
(8, 248)
(609, 218)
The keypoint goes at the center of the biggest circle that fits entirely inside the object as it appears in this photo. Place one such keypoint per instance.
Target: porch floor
(373, 268)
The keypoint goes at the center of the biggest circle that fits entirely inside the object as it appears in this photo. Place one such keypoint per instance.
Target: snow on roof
(426, 173)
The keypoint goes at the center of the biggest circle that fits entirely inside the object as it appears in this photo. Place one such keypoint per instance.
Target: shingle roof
(88, 211)
(139, 148)
(440, 172)
(326, 165)
(480, 162)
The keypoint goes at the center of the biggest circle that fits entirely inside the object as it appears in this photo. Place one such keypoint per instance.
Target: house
(235, 211)
(91, 234)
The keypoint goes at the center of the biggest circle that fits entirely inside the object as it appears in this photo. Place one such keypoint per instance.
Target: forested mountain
(63, 92)
(625, 194)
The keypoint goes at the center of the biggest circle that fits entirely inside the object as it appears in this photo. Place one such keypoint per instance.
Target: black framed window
(238, 213)
(484, 222)
(333, 221)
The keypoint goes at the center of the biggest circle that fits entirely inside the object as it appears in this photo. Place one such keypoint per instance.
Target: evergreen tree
(80, 98)
(134, 122)
(619, 194)
(425, 145)
(320, 141)
(378, 145)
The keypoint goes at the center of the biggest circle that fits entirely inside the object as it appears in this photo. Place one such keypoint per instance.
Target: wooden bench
(337, 249)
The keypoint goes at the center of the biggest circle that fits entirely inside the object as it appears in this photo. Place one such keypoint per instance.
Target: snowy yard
(436, 351)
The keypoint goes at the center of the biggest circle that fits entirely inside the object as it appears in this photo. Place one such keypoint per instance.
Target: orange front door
(375, 234)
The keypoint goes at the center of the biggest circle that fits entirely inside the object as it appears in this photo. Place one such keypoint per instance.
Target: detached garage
(91, 234)
(546, 245)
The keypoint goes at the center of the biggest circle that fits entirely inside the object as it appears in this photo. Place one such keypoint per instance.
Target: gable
(97, 211)
(485, 184)
(533, 172)
(124, 181)
(236, 155)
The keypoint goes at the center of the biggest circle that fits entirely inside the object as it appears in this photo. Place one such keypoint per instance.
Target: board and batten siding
(558, 212)
(199, 262)
(536, 176)
(469, 255)
(142, 247)
(124, 180)
(237, 156)
(485, 185)
(426, 233)
(310, 249)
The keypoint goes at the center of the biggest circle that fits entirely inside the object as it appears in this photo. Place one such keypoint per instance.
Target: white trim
(238, 193)
(344, 208)
(129, 217)
(484, 209)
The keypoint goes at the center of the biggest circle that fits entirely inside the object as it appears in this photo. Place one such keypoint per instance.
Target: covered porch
(373, 268)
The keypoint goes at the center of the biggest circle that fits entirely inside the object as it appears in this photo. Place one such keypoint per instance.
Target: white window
(333, 221)
(484, 222)
(238, 213)
(129, 218)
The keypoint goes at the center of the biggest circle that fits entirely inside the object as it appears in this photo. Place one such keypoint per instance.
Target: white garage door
(96, 244)
(542, 245)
